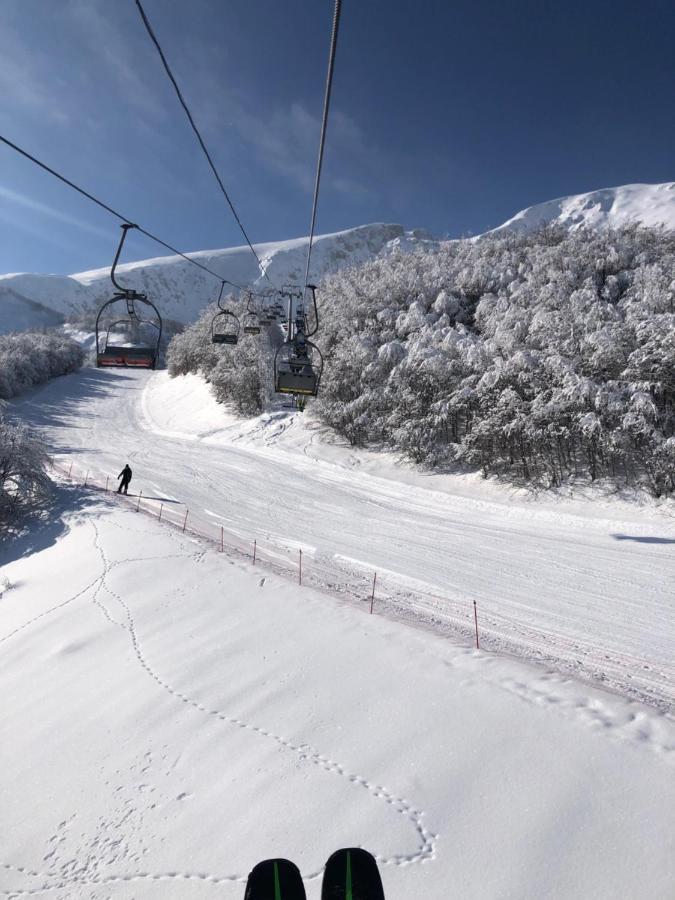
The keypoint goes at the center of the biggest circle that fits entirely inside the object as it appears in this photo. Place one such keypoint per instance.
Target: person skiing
(125, 475)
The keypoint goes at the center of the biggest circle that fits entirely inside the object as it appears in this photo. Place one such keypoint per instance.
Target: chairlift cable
(168, 71)
(324, 124)
(114, 212)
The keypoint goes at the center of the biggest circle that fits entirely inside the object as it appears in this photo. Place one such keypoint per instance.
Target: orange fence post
(138, 505)
(255, 547)
(185, 519)
(300, 568)
(222, 539)
(70, 470)
(161, 507)
(107, 478)
(86, 478)
(475, 619)
(372, 596)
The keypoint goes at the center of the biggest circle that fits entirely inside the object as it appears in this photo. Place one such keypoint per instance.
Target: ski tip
(352, 874)
(275, 879)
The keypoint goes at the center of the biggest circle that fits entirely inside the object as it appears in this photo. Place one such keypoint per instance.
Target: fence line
(280, 560)
(459, 617)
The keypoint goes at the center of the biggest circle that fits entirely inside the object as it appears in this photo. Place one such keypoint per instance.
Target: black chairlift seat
(251, 324)
(294, 379)
(224, 338)
(225, 333)
(295, 373)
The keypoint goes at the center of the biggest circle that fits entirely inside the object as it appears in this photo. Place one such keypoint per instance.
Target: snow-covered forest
(533, 356)
(32, 358)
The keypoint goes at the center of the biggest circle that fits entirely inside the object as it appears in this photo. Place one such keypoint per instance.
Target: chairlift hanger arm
(125, 227)
(312, 288)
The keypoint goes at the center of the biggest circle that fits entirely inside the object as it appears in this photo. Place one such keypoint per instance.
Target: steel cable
(168, 71)
(118, 215)
(324, 124)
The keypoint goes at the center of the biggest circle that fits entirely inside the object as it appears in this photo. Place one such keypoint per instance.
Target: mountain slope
(19, 313)
(182, 290)
(648, 204)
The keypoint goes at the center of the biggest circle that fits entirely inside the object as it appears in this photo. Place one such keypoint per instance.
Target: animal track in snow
(74, 872)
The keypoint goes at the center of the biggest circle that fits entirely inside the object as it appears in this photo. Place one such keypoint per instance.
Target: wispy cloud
(118, 49)
(24, 84)
(50, 212)
(43, 235)
(284, 139)
(282, 136)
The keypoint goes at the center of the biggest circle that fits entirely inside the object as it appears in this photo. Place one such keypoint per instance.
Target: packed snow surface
(172, 715)
(583, 585)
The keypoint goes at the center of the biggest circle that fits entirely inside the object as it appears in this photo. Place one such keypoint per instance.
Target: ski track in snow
(304, 752)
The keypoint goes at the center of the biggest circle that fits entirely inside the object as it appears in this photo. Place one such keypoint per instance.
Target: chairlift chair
(251, 323)
(135, 353)
(295, 371)
(227, 330)
(251, 319)
(225, 325)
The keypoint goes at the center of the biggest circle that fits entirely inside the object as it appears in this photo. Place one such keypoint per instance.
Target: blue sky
(449, 116)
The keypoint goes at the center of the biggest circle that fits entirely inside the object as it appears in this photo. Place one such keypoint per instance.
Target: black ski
(351, 874)
(275, 879)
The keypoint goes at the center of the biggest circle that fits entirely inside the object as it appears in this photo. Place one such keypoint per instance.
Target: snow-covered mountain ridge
(182, 290)
(648, 204)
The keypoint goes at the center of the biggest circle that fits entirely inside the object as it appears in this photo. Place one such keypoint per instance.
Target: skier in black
(125, 475)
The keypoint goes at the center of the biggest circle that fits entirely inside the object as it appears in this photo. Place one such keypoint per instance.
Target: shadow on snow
(643, 539)
(37, 532)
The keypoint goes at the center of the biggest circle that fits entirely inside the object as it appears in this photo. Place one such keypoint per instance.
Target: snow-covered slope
(19, 313)
(173, 714)
(648, 204)
(550, 577)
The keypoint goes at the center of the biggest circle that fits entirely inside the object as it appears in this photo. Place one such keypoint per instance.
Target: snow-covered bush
(31, 358)
(537, 356)
(24, 484)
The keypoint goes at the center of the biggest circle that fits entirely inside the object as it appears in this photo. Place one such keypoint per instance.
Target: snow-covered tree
(31, 358)
(24, 483)
(535, 356)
